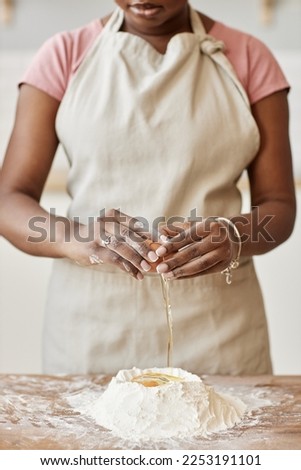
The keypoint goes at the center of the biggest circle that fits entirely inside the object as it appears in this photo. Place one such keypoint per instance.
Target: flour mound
(179, 408)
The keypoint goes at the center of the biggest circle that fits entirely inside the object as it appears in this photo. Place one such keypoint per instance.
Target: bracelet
(235, 262)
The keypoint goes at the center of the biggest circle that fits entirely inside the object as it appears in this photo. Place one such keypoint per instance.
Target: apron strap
(209, 46)
(115, 21)
(214, 49)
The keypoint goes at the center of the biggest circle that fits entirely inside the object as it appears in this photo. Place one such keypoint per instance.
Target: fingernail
(163, 238)
(162, 268)
(140, 276)
(152, 256)
(145, 266)
(161, 251)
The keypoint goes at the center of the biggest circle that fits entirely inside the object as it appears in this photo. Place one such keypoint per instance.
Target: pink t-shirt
(59, 58)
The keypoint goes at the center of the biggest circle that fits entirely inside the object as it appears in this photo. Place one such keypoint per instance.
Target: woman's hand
(114, 238)
(198, 248)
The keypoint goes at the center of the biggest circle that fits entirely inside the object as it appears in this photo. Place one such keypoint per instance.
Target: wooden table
(45, 412)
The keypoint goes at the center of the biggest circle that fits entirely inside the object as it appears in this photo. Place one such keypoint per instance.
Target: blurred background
(24, 26)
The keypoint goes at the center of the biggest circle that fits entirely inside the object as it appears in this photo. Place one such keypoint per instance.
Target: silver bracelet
(235, 262)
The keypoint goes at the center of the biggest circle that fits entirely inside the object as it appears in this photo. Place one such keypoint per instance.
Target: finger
(184, 256)
(139, 245)
(131, 270)
(203, 264)
(121, 227)
(170, 231)
(183, 238)
(140, 226)
(111, 257)
(208, 249)
(125, 251)
(135, 225)
(188, 253)
(217, 268)
(194, 233)
(126, 266)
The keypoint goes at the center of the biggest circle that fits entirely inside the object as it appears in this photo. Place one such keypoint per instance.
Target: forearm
(30, 228)
(35, 231)
(265, 227)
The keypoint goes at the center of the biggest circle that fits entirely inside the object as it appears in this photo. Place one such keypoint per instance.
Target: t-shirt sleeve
(265, 75)
(49, 71)
(254, 63)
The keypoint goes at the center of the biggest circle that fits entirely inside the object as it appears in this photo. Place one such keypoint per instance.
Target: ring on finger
(106, 241)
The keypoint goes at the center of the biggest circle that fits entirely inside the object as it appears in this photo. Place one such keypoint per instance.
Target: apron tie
(210, 45)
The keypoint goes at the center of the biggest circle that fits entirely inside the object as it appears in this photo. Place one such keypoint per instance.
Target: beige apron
(155, 135)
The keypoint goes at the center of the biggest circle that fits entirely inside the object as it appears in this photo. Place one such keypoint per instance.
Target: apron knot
(210, 45)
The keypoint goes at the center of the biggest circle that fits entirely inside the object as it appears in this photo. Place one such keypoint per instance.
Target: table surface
(47, 412)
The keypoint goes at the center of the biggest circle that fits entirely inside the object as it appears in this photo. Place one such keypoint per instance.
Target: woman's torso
(155, 136)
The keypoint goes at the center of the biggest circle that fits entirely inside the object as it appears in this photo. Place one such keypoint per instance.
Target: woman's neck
(159, 37)
(179, 23)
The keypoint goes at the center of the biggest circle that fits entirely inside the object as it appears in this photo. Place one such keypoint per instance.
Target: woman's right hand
(114, 238)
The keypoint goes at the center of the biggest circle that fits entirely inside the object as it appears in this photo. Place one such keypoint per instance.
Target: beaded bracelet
(235, 262)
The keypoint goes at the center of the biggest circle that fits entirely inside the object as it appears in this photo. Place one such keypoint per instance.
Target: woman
(158, 119)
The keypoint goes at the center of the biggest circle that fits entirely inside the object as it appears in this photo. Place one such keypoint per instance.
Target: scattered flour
(180, 408)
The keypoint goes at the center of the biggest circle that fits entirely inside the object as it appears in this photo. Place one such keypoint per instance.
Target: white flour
(186, 408)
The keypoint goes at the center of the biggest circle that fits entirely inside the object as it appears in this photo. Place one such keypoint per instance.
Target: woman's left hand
(196, 249)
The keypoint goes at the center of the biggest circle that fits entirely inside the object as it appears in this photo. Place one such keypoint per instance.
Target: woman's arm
(27, 162)
(272, 188)
(270, 222)
(26, 166)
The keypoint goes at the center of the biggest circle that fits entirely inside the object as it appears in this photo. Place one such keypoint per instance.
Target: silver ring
(107, 241)
(94, 259)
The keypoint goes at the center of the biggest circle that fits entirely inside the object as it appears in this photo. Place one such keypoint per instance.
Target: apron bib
(156, 135)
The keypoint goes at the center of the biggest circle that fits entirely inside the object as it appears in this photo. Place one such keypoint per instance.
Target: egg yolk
(155, 379)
